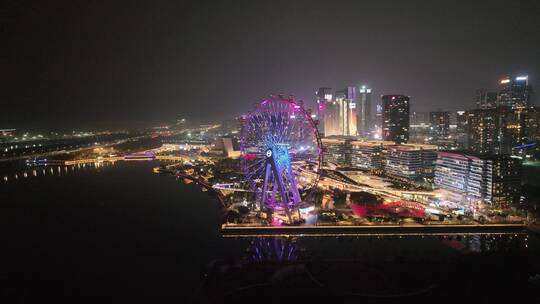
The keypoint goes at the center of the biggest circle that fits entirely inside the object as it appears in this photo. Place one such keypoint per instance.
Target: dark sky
(105, 63)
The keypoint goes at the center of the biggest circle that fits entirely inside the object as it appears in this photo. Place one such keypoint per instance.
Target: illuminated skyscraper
(351, 113)
(515, 92)
(440, 124)
(324, 96)
(365, 118)
(343, 109)
(395, 118)
(483, 129)
(461, 130)
(485, 99)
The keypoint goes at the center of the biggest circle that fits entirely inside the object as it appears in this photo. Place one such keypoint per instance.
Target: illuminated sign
(328, 96)
(505, 81)
(352, 105)
(521, 78)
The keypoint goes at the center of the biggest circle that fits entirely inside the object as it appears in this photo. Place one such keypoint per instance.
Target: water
(118, 222)
(121, 230)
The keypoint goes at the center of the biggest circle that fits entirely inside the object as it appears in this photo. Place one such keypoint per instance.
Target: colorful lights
(273, 137)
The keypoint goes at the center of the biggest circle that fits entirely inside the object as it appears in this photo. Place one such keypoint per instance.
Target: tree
(366, 198)
(243, 210)
(339, 197)
(233, 216)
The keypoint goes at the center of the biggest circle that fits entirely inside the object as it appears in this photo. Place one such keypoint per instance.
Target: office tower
(365, 118)
(419, 118)
(324, 96)
(409, 162)
(521, 132)
(493, 179)
(419, 128)
(485, 99)
(461, 130)
(483, 129)
(395, 118)
(504, 130)
(332, 115)
(377, 129)
(515, 92)
(351, 128)
(439, 124)
(345, 103)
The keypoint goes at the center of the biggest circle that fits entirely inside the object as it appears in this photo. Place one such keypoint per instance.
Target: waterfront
(120, 229)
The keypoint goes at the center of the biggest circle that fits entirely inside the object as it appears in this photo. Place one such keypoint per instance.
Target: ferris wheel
(280, 153)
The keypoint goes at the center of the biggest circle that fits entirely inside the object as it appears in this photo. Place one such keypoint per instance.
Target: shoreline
(247, 231)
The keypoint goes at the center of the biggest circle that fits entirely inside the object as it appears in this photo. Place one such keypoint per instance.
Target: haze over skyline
(69, 65)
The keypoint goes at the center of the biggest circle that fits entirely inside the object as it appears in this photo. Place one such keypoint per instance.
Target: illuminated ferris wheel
(280, 153)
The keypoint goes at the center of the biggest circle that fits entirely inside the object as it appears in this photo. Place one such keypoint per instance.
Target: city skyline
(251, 151)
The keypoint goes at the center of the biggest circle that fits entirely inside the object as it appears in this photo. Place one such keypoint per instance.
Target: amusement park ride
(279, 142)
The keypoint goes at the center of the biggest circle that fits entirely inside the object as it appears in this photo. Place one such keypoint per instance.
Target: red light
(249, 156)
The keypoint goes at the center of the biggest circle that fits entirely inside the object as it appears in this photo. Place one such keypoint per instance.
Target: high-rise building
(324, 97)
(365, 117)
(332, 116)
(395, 118)
(461, 130)
(419, 118)
(439, 124)
(419, 128)
(485, 99)
(483, 129)
(504, 130)
(494, 179)
(344, 115)
(409, 162)
(515, 92)
(520, 132)
(377, 129)
(347, 99)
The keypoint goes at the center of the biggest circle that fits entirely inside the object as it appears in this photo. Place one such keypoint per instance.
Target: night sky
(83, 64)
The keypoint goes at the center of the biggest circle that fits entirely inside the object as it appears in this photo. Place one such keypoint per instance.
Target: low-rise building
(493, 179)
(410, 162)
(367, 155)
(336, 151)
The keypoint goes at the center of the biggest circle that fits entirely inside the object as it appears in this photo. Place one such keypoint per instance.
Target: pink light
(276, 221)
(249, 156)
